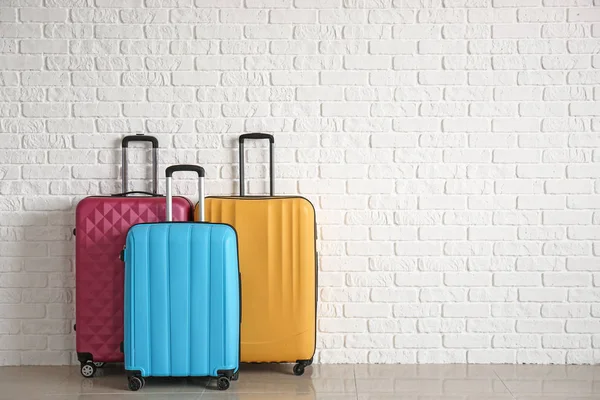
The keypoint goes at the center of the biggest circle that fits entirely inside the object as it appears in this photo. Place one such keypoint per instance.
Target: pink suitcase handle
(124, 145)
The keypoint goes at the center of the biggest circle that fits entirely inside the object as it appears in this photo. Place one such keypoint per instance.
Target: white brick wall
(449, 146)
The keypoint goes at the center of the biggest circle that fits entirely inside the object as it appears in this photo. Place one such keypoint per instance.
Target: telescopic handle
(257, 136)
(124, 170)
(189, 168)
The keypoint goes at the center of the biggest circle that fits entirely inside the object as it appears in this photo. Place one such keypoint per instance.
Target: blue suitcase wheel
(135, 383)
(223, 383)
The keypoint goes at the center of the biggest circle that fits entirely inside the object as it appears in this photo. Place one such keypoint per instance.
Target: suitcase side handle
(189, 168)
(257, 135)
(124, 169)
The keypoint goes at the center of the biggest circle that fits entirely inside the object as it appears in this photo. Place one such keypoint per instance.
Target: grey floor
(331, 382)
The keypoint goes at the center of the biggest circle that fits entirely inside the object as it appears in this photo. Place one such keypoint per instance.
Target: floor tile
(558, 381)
(126, 396)
(113, 380)
(425, 371)
(396, 396)
(278, 378)
(278, 396)
(437, 381)
(320, 382)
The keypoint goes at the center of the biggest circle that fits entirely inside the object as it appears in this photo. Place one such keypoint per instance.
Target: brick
(416, 341)
(442, 16)
(492, 47)
(367, 310)
(584, 295)
(392, 233)
(583, 326)
(516, 341)
(367, 62)
(541, 78)
(467, 341)
(391, 47)
(581, 264)
(391, 78)
(563, 279)
(439, 325)
(71, 94)
(43, 15)
(183, 16)
(565, 341)
(583, 109)
(583, 15)
(416, 31)
(417, 62)
(443, 295)
(457, 124)
(542, 295)
(515, 31)
(543, 356)
(393, 16)
(45, 110)
(540, 326)
(442, 78)
(342, 325)
(237, 16)
(466, 32)
(294, 17)
(582, 202)
(96, 110)
(582, 46)
(492, 295)
(516, 310)
(565, 310)
(545, 233)
(68, 31)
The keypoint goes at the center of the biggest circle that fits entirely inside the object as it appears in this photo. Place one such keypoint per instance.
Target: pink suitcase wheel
(88, 369)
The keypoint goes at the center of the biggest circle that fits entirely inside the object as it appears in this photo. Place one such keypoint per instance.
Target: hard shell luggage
(278, 262)
(182, 298)
(101, 225)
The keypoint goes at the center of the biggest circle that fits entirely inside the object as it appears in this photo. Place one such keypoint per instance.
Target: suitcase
(101, 225)
(278, 263)
(182, 298)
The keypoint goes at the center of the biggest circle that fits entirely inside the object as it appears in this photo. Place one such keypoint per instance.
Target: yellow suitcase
(278, 263)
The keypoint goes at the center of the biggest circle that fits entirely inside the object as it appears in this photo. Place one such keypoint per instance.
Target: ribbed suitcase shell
(182, 299)
(279, 274)
(101, 227)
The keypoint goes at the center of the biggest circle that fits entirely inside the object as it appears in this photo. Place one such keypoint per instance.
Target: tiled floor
(320, 382)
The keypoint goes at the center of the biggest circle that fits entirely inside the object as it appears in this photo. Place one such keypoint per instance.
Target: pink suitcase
(101, 224)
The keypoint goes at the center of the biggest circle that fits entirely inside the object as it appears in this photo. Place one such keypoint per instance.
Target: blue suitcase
(182, 298)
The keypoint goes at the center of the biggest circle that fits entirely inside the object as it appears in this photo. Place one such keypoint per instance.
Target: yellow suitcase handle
(257, 136)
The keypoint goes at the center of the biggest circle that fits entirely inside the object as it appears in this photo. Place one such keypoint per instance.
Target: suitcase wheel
(236, 376)
(99, 364)
(88, 369)
(298, 369)
(135, 383)
(223, 383)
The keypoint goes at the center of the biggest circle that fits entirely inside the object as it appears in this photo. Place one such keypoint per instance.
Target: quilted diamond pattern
(102, 224)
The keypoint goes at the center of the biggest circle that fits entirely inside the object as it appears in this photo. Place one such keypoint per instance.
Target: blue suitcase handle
(185, 167)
